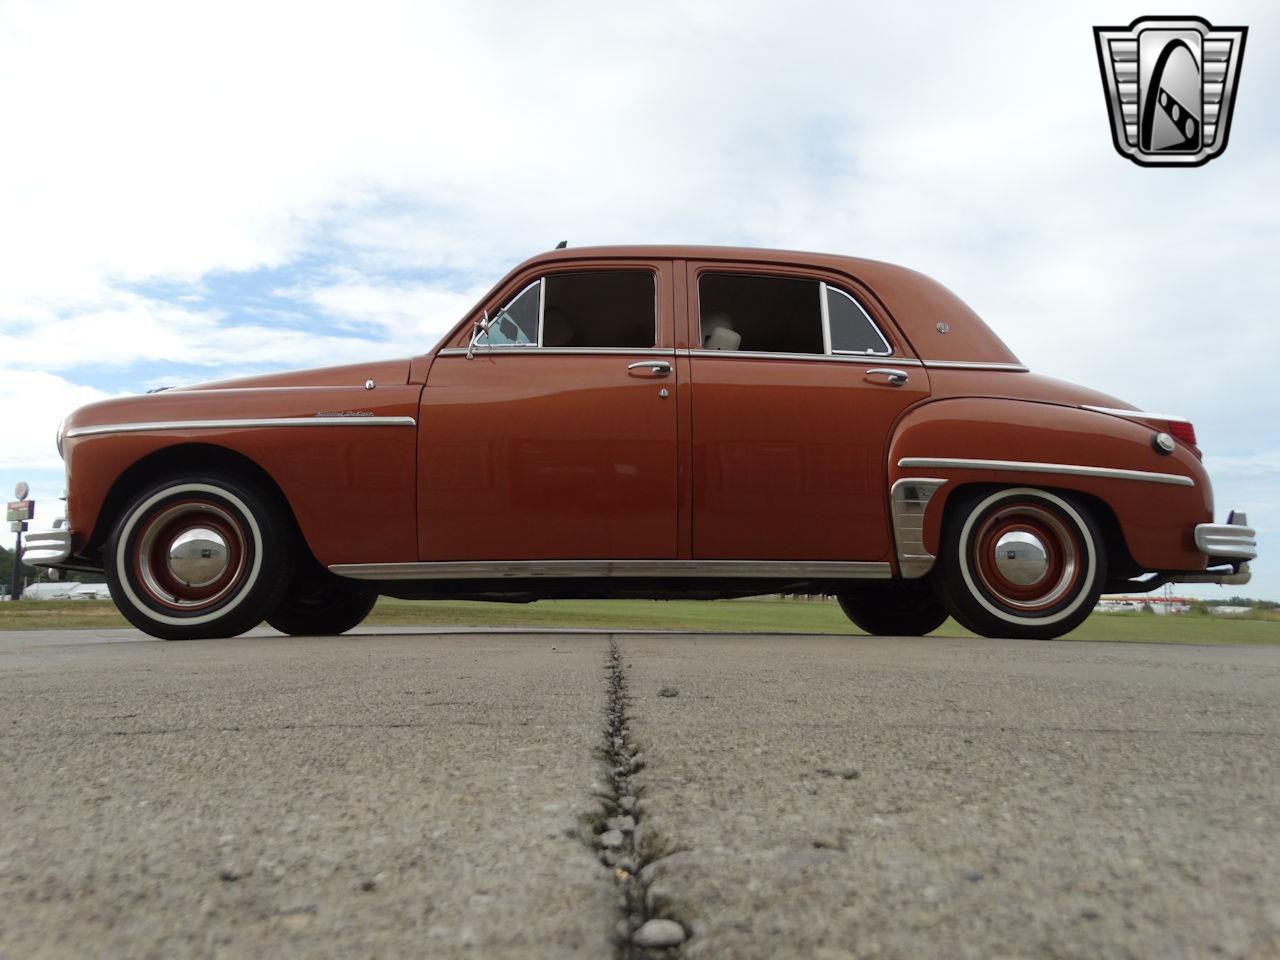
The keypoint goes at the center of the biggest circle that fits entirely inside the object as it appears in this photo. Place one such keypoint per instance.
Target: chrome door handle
(655, 368)
(895, 377)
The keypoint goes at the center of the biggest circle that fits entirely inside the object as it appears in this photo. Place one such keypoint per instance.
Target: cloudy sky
(191, 191)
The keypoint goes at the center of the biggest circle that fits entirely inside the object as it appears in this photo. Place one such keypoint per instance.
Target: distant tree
(1146, 608)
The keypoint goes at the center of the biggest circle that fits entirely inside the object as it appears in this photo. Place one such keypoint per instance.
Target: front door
(556, 439)
(791, 410)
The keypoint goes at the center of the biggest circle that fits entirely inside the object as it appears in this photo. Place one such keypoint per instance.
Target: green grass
(726, 616)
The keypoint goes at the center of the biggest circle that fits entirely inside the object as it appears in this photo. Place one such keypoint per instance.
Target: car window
(601, 308)
(604, 308)
(516, 324)
(852, 331)
(760, 314)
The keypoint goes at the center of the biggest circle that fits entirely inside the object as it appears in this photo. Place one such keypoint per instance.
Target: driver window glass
(516, 324)
(602, 308)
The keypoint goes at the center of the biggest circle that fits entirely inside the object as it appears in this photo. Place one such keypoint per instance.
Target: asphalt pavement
(440, 794)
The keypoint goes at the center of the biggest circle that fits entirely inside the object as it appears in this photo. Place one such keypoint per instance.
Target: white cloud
(34, 403)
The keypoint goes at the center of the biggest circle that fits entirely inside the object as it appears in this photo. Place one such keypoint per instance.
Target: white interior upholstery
(722, 338)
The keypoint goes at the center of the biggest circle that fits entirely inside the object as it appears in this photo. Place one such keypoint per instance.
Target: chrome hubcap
(190, 555)
(198, 557)
(1021, 558)
(1026, 557)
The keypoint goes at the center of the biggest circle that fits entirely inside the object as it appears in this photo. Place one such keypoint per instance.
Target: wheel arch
(1120, 561)
(1148, 522)
(179, 457)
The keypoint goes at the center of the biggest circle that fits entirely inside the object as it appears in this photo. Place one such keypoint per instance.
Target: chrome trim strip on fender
(1035, 466)
(1135, 414)
(976, 365)
(539, 569)
(150, 426)
(910, 498)
(46, 547)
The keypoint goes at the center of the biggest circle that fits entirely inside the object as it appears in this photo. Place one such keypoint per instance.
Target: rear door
(796, 381)
(556, 440)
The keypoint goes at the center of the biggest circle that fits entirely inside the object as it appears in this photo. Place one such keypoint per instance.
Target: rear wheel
(198, 556)
(897, 608)
(1021, 562)
(321, 607)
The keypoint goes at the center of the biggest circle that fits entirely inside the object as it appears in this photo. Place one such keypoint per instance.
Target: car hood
(289, 394)
(387, 372)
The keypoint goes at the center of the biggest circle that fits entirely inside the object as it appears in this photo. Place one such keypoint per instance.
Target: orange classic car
(649, 422)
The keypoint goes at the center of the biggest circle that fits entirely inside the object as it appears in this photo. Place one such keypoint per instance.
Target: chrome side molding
(1036, 466)
(909, 499)
(537, 569)
(1135, 414)
(245, 424)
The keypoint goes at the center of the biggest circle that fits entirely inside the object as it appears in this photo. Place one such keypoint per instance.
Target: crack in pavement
(620, 837)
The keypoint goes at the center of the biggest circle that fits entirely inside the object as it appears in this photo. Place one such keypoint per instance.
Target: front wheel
(321, 608)
(1021, 562)
(897, 608)
(199, 556)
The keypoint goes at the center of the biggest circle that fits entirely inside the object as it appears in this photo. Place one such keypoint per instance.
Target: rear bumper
(1228, 546)
(47, 548)
(1233, 540)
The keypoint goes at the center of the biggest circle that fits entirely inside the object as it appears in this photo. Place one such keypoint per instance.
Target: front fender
(1157, 498)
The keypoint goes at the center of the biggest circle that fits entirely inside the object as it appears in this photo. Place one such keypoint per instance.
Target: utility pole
(20, 511)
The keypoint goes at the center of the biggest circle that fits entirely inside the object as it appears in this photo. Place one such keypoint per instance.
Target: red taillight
(1182, 430)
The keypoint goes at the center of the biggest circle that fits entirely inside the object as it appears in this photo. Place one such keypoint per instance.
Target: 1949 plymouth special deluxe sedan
(649, 422)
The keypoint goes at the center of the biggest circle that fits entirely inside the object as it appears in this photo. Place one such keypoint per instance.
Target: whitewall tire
(199, 556)
(1021, 562)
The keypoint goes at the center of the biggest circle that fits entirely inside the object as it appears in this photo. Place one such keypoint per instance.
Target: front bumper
(47, 548)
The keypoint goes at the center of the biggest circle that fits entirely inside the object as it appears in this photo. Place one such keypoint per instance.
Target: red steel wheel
(1021, 562)
(199, 556)
(190, 554)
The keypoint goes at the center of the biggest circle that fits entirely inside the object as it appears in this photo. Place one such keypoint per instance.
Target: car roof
(937, 323)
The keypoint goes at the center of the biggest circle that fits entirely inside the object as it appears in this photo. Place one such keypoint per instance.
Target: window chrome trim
(148, 426)
(541, 283)
(862, 359)
(506, 306)
(824, 311)
(1135, 414)
(542, 306)
(532, 351)
(539, 569)
(826, 319)
(868, 359)
(1036, 466)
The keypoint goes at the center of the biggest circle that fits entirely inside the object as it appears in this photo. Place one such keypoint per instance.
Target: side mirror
(478, 329)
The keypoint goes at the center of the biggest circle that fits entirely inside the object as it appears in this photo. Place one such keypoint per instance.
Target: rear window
(762, 314)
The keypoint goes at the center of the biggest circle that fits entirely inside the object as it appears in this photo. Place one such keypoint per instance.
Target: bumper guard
(47, 548)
